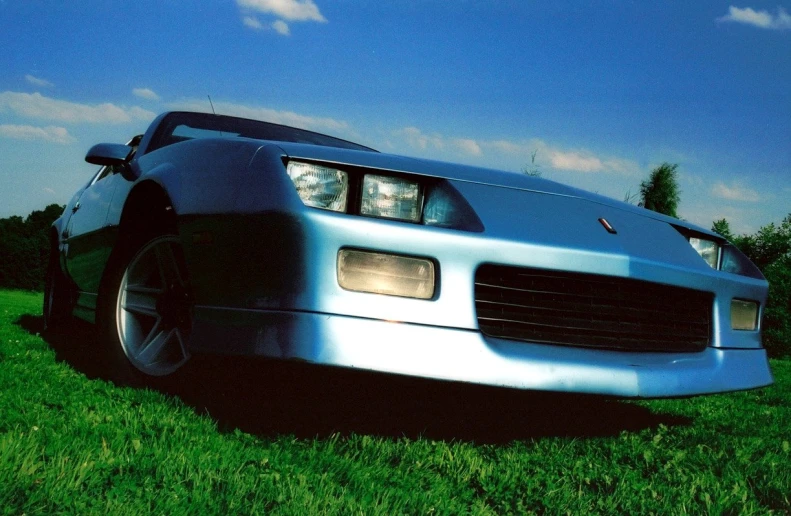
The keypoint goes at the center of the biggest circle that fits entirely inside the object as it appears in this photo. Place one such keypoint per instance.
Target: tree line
(24, 248)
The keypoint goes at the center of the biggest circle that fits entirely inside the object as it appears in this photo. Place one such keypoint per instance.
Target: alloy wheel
(154, 308)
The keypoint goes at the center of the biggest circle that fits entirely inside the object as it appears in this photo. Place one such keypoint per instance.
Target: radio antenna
(212, 105)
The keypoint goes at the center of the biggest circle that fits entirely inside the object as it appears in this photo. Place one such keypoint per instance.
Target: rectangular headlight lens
(390, 198)
(320, 187)
(709, 250)
(744, 315)
(389, 274)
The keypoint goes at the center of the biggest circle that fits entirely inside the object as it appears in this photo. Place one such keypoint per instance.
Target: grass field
(244, 436)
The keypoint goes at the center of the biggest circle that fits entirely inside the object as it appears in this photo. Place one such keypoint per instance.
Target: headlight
(391, 197)
(397, 196)
(320, 187)
(709, 250)
(720, 254)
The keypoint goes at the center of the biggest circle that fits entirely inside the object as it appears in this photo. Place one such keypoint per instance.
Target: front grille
(574, 309)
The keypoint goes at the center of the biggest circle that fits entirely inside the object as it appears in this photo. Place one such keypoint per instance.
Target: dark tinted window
(178, 127)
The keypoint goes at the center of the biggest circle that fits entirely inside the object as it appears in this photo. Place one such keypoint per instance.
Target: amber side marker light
(744, 315)
(388, 274)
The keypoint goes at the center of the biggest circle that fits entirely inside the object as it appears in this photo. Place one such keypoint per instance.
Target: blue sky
(601, 91)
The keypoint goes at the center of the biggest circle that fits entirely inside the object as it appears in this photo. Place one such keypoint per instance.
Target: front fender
(201, 176)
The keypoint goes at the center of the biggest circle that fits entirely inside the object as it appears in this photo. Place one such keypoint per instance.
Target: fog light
(744, 315)
(388, 274)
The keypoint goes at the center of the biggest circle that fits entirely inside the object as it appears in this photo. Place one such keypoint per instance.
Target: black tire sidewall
(56, 308)
(118, 366)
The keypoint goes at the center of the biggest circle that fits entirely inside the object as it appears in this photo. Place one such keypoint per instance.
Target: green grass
(255, 437)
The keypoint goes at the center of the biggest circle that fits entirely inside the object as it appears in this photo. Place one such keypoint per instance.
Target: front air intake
(592, 311)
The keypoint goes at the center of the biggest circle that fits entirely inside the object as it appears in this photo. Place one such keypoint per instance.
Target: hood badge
(608, 226)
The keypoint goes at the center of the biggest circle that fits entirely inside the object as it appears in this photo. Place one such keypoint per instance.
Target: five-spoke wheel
(153, 308)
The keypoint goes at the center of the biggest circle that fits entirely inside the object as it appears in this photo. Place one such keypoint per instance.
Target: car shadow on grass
(75, 345)
(268, 398)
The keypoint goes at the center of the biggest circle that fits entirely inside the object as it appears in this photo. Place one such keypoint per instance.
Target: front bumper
(468, 356)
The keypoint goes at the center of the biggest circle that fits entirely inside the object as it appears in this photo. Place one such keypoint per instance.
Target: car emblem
(608, 226)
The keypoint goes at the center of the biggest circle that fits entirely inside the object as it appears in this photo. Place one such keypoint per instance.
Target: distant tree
(660, 192)
(24, 248)
(723, 229)
(777, 314)
(768, 245)
(532, 170)
(39, 221)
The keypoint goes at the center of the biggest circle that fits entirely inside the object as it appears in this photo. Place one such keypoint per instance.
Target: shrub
(777, 315)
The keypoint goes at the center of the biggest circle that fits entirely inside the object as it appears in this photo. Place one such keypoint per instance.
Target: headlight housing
(720, 254)
(397, 196)
(709, 250)
(391, 197)
(319, 186)
(736, 262)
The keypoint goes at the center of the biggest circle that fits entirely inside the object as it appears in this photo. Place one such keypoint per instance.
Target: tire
(57, 296)
(145, 313)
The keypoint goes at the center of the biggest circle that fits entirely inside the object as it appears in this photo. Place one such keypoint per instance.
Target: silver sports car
(215, 234)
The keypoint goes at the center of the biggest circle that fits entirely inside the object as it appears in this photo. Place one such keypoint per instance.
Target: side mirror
(109, 154)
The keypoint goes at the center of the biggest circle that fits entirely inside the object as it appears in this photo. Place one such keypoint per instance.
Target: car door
(89, 238)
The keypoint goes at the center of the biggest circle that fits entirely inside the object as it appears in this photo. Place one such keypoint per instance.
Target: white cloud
(252, 22)
(281, 27)
(138, 113)
(761, 19)
(28, 132)
(509, 147)
(575, 161)
(35, 105)
(266, 114)
(145, 93)
(546, 155)
(415, 138)
(468, 146)
(35, 81)
(291, 10)
(734, 192)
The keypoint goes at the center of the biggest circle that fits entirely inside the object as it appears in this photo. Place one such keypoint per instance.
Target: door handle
(76, 207)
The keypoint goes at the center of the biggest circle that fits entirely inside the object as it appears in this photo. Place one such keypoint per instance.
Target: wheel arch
(147, 212)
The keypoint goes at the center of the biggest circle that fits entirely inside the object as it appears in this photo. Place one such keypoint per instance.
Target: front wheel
(146, 314)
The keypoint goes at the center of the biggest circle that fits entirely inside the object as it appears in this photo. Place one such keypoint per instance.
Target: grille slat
(588, 310)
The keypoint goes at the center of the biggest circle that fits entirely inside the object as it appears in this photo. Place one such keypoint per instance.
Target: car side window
(106, 171)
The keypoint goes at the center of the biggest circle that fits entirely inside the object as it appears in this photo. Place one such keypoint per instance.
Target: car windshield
(179, 126)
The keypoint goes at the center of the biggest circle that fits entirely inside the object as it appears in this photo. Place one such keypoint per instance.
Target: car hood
(473, 175)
